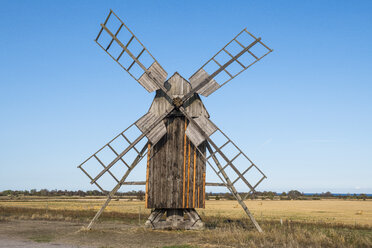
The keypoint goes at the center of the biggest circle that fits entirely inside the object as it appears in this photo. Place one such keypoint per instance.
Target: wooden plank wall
(176, 171)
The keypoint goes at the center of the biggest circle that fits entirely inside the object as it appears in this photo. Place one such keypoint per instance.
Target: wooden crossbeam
(125, 137)
(103, 165)
(228, 141)
(215, 61)
(121, 159)
(233, 57)
(215, 184)
(116, 34)
(130, 40)
(86, 173)
(230, 161)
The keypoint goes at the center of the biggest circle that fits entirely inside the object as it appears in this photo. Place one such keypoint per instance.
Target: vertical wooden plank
(188, 177)
(159, 176)
(177, 163)
(204, 190)
(184, 165)
(151, 183)
(155, 182)
(180, 161)
(147, 174)
(193, 190)
(202, 174)
(168, 182)
(151, 180)
(200, 164)
(198, 197)
(163, 175)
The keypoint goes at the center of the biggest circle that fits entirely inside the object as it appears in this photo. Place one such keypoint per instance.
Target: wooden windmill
(176, 134)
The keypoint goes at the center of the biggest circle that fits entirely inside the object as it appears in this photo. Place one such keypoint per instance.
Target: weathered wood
(154, 217)
(194, 183)
(157, 132)
(198, 78)
(215, 184)
(194, 135)
(184, 167)
(134, 183)
(173, 181)
(147, 173)
(175, 219)
(158, 72)
(177, 86)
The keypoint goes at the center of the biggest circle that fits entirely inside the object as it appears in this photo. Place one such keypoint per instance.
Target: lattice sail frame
(240, 63)
(142, 66)
(240, 170)
(127, 162)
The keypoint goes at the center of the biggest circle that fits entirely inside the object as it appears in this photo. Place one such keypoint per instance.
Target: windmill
(176, 135)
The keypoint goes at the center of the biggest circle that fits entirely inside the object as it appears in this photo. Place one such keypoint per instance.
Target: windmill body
(175, 178)
(176, 173)
(177, 130)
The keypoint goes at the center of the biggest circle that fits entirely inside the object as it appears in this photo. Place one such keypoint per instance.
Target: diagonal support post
(231, 187)
(117, 187)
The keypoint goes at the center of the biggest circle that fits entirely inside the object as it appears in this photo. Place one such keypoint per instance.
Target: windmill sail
(157, 132)
(225, 157)
(92, 166)
(206, 125)
(119, 42)
(238, 55)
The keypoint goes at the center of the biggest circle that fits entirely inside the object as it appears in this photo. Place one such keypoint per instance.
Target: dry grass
(290, 234)
(220, 231)
(330, 211)
(321, 223)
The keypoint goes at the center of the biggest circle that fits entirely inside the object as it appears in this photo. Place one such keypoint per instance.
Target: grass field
(298, 223)
(329, 211)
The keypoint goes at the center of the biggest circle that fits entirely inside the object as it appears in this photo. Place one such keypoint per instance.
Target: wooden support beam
(234, 192)
(117, 187)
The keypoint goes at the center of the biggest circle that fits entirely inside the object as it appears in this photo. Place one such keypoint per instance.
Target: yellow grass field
(349, 212)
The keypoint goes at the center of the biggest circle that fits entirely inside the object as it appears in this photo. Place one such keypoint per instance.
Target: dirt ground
(46, 234)
(31, 233)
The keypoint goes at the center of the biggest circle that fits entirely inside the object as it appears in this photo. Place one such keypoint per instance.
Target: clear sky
(303, 113)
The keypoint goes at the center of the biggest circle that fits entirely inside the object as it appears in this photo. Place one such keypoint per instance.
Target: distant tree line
(290, 195)
(271, 195)
(45, 192)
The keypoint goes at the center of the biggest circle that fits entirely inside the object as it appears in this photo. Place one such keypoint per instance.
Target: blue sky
(303, 113)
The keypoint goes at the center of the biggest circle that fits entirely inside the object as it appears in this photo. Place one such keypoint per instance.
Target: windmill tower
(176, 135)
